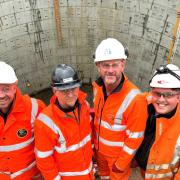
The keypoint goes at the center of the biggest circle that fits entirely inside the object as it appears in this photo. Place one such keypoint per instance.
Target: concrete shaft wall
(29, 42)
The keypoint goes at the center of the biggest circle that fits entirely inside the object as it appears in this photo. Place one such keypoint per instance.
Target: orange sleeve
(45, 140)
(135, 117)
(41, 105)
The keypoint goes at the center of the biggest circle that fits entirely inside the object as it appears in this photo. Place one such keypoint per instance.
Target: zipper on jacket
(79, 113)
(105, 100)
(78, 121)
(99, 128)
(76, 118)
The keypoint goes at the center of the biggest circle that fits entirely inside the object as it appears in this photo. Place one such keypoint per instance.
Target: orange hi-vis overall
(120, 121)
(63, 143)
(164, 158)
(17, 158)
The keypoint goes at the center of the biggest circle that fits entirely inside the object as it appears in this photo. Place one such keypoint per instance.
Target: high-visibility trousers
(89, 176)
(32, 174)
(105, 168)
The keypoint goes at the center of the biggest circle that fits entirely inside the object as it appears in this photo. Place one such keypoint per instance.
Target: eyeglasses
(105, 65)
(6, 89)
(166, 95)
(67, 91)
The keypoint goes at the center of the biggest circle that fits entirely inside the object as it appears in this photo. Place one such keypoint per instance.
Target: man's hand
(115, 169)
(38, 177)
(134, 164)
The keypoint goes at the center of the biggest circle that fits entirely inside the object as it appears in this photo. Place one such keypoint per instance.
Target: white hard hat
(166, 77)
(109, 49)
(7, 74)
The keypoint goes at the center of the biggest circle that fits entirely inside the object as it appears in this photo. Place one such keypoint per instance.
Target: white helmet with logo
(166, 76)
(7, 74)
(110, 49)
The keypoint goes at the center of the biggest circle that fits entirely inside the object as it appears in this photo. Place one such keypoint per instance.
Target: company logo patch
(66, 80)
(107, 52)
(22, 132)
(162, 82)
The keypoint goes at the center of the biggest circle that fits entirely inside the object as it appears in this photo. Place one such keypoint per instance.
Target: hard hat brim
(109, 59)
(68, 86)
(164, 81)
(8, 81)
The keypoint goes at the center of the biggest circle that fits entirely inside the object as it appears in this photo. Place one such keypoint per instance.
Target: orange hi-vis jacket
(119, 122)
(17, 158)
(164, 158)
(63, 141)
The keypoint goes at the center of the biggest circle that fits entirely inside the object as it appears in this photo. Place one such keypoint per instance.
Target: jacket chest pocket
(164, 151)
(19, 132)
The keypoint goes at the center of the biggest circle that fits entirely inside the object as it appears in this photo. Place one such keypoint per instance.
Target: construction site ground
(134, 176)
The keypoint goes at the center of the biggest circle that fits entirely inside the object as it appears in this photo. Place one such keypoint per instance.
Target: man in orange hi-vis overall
(63, 130)
(159, 153)
(17, 115)
(120, 113)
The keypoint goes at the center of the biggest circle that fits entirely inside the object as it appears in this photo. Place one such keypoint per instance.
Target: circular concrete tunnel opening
(36, 35)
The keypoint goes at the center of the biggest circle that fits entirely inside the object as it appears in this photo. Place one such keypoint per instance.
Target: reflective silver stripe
(49, 122)
(155, 176)
(23, 170)
(44, 154)
(15, 147)
(134, 134)
(175, 170)
(128, 99)
(26, 143)
(115, 127)
(176, 152)
(111, 143)
(175, 160)
(62, 149)
(34, 111)
(75, 146)
(170, 166)
(105, 177)
(20, 171)
(87, 103)
(129, 150)
(79, 173)
(57, 177)
(160, 167)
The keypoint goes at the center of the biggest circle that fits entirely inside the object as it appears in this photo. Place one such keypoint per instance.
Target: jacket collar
(18, 104)
(66, 110)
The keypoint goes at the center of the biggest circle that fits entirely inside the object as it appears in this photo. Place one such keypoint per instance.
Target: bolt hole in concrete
(47, 93)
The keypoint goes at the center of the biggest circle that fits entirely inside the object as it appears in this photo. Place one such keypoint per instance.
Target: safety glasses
(6, 89)
(166, 95)
(107, 65)
(68, 91)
